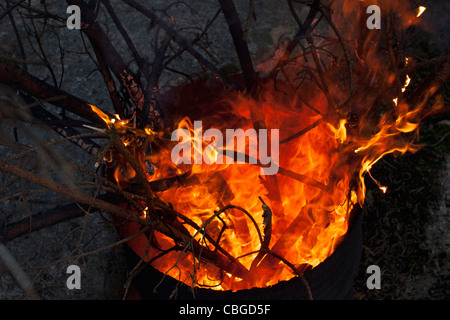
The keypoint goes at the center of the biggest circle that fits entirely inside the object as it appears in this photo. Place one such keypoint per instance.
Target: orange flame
(302, 232)
(311, 199)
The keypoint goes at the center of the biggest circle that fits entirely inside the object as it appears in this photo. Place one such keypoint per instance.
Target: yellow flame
(149, 131)
(144, 213)
(340, 133)
(402, 125)
(407, 82)
(101, 114)
(420, 11)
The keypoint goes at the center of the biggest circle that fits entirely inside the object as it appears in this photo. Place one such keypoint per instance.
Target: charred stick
(65, 131)
(232, 267)
(109, 81)
(150, 102)
(96, 34)
(69, 192)
(286, 172)
(110, 55)
(283, 244)
(227, 207)
(250, 16)
(305, 179)
(166, 183)
(19, 79)
(42, 220)
(124, 33)
(219, 257)
(222, 230)
(302, 132)
(267, 222)
(240, 44)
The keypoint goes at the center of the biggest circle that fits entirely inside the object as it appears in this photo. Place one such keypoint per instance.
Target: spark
(407, 82)
(420, 11)
(381, 187)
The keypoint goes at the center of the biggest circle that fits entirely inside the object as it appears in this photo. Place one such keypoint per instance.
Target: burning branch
(232, 266)
(267, 222)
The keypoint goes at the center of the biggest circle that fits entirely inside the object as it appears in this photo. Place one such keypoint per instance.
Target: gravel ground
(410, 243)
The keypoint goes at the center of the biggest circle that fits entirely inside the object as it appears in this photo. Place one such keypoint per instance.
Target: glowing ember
(420, 11)
(407, 82)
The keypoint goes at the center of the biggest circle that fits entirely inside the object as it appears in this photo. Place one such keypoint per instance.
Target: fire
(307, 224)
(308, 221)
(340, 133)
(420, 11)
(407, 82)
(311, 198)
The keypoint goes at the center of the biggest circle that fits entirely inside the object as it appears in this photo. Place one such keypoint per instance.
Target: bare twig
(240, 44)
(184, 43)
(150, 100)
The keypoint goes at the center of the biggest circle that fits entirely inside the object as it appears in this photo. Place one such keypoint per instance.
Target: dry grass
(404, 231)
